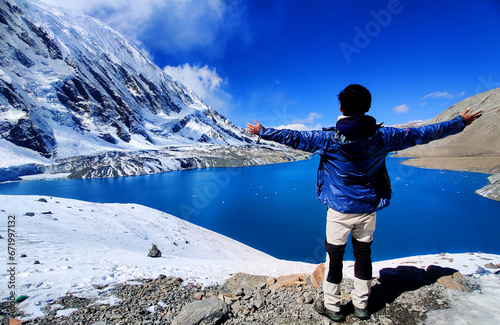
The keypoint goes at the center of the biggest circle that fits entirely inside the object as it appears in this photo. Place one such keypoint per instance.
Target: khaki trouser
(338, 227)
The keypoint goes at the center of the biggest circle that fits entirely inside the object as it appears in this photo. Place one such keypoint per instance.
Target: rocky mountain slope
(476, 149)
(73, 92)
(480, 139)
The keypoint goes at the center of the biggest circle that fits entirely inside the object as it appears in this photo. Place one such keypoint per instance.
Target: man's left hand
(469, 118)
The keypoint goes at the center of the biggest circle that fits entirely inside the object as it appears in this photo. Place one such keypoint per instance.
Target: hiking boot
(335, 316)
(361, 314)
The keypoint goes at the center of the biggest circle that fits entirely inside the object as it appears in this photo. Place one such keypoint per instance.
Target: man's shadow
(395, 281)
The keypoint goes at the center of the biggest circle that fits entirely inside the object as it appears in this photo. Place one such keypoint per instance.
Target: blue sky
(283, 62)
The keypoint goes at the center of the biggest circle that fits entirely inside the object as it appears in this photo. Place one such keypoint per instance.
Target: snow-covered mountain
(70, 85)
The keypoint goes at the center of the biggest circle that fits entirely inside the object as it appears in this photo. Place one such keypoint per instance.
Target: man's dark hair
(355, 100)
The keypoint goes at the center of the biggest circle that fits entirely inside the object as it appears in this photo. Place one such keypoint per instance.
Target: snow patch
(90, 244)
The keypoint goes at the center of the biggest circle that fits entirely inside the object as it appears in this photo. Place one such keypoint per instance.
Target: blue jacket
(352, 177)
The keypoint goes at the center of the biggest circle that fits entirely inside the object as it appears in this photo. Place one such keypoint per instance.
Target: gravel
(161, 300)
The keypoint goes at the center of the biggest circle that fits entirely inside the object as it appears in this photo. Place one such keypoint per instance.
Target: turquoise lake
(272, 208)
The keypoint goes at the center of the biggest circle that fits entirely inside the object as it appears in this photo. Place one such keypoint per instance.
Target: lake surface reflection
(272, 208)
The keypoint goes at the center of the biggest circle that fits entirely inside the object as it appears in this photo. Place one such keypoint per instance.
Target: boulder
(449, 278)
(154, 252)
(289, 280)
(241, 282)
(318, 276)
(203, 312)
(454, 282)
(492, 266)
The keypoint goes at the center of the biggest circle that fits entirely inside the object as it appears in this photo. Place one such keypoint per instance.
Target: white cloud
(310, 118)
(438, 94)
(205, 82)
(403, 108)
(443, 94)
(298, 127)
(171, 26)
(303, 124)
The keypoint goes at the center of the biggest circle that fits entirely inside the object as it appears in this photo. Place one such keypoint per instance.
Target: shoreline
(484, 165)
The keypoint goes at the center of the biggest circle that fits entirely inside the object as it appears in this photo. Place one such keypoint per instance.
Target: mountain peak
(70, 85)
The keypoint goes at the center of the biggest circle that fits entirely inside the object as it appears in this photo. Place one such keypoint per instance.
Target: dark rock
(154, 252)
(42, 200)
(108, 138)
(492, 266)
(38, 137)
(23, 59)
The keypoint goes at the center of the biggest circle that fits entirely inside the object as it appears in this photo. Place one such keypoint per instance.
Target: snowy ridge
(90, 244)
(70, 85)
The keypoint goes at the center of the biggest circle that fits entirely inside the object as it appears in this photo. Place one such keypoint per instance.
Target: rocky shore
(402, 295)
(142, 162)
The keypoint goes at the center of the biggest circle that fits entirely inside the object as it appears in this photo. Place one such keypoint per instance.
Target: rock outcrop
(154, 252)
(492, 190)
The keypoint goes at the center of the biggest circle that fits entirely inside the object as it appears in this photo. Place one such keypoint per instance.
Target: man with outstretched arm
(352, 180)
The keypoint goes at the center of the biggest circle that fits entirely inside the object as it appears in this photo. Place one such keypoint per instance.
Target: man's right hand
(253, 129)
(469, 118)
